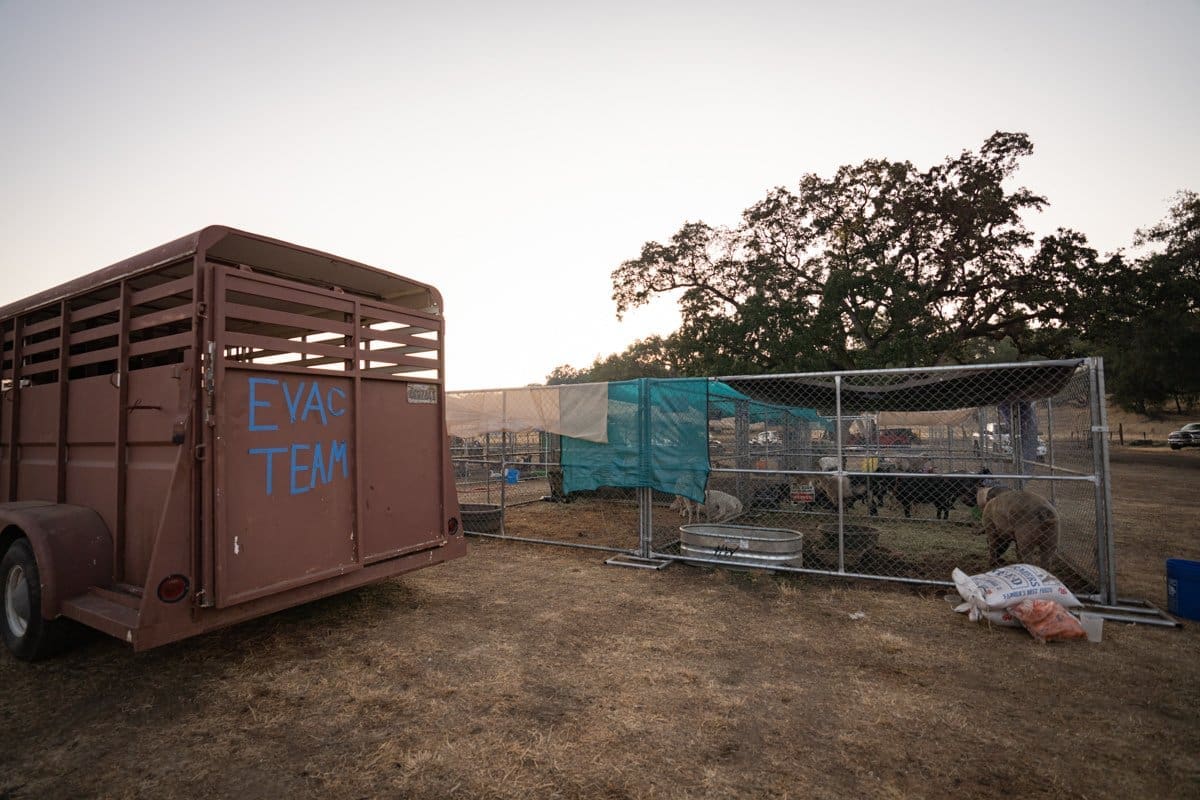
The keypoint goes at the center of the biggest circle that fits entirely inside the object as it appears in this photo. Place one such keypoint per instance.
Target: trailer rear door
(328, 434)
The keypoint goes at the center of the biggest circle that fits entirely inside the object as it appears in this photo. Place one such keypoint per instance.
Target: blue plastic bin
(511, 476)
(1183, 588)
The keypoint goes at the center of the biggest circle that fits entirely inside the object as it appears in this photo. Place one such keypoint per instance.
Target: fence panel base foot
(627, 560)
(1138, 612)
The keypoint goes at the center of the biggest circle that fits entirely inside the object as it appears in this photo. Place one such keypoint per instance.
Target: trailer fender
(72, 545)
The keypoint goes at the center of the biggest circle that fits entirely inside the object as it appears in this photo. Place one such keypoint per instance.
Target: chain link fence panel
(890, 474)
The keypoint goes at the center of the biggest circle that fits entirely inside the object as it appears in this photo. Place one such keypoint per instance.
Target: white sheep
(717, 507)
(828, 488)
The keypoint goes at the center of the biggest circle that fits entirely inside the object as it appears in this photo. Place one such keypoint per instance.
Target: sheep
(870, 489)
(826, 486)
(1023, 518)
(853, 487)
(942, 492)
(770, 496)
(985, 493)
(850, 488)
(922, 464)
(717, 507)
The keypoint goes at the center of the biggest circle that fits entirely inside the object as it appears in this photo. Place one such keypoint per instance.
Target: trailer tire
(25, 632)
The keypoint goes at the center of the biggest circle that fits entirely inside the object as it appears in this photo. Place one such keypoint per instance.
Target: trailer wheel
(26, 634)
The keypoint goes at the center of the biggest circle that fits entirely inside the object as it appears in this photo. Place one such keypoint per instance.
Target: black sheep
(872, 489)
(942, 492)
(769, 497)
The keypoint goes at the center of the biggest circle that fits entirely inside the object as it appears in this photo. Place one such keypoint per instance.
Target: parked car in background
(892, 437)
(885, 437)
(1187, 436)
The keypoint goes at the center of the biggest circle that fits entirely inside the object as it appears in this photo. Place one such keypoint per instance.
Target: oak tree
(882, 264)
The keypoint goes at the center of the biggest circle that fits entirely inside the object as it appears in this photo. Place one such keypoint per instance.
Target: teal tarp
(665, 448)
(658, 435)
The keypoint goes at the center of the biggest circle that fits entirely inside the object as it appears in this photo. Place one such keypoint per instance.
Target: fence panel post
(1105, 550)
(841, 468)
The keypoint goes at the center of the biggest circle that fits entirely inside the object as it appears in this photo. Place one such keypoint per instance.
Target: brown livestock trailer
(219, 428)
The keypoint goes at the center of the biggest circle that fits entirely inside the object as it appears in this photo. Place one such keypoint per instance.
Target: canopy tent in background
(576, 410)
(927, 419)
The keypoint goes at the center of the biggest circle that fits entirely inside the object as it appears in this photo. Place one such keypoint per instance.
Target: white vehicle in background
(997, 439)
(1187, 436)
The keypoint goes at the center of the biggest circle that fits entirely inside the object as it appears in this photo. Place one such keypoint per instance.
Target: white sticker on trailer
(425, 393)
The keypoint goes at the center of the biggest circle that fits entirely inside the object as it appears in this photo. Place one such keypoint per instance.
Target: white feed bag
(990, 592)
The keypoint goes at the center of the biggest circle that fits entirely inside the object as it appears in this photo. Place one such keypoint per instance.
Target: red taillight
(452, 525)
(173, 589)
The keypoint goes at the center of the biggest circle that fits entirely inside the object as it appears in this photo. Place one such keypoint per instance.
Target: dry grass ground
(529, 671)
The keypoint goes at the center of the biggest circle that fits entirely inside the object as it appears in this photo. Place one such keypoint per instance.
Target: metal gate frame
(1100, 479)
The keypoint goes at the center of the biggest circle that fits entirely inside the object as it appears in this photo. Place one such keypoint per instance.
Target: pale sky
(513, 154)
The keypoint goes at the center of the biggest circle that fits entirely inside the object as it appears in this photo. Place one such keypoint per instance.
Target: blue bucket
(1183, 588)
(511, 475)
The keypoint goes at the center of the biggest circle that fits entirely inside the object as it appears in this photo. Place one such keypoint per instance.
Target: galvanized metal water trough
(749, 545)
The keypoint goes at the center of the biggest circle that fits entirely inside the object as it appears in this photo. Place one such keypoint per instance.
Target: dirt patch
(532, 671)
(1185, 459)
